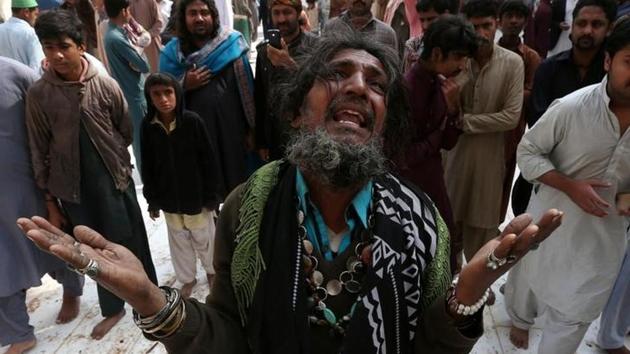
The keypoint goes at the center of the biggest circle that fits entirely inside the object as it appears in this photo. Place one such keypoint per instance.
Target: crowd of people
(346, 195)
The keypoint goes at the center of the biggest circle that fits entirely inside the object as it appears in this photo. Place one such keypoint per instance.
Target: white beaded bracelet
(466, 310)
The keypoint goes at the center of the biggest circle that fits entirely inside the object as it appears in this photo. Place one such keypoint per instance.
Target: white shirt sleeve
(538, 143)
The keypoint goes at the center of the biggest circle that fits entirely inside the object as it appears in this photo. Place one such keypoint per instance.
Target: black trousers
(113, 213)
(520, 195)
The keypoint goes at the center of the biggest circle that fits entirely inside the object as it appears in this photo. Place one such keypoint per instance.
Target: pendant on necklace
(334, 287)
(330, 316)
(308, 246)
(353, 286)
(318, 278)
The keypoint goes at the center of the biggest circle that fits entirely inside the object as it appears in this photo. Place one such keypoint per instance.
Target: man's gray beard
(333, 163)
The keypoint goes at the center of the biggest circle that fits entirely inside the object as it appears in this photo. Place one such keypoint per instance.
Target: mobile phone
(274, 38)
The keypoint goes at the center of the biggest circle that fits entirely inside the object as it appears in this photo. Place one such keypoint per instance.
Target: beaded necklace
(349, 280)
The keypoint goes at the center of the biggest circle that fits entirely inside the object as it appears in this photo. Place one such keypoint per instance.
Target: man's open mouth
(350, 117)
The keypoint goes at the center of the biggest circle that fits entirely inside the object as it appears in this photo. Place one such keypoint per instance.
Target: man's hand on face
(281, 57)
(515, 241)
(584, 195)
(196, 78)
(450, 89)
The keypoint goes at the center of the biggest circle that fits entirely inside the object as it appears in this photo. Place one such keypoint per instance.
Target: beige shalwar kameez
(491, 101)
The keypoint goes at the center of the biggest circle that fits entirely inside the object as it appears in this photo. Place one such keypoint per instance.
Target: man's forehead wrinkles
(371, 64)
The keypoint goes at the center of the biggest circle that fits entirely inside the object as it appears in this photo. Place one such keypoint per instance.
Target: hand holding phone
(274, 38)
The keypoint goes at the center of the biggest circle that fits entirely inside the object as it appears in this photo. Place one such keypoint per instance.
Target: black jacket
(178, 172)
(271, 132)
(176, 169)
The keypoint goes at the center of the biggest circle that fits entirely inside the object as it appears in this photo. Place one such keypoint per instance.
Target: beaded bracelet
(461, 309)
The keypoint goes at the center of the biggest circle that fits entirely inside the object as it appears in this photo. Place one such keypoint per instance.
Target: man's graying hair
(314, 65)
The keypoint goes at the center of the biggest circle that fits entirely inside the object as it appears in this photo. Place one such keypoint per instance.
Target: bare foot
(210, 278)
(622, 350)
(21, 347)
(187, 289)
(101, 329)
(69, 309)
(519, 337)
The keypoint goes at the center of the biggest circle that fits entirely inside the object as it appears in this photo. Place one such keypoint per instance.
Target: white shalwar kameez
(571, 275)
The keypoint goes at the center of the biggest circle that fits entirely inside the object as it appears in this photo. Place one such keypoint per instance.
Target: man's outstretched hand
(119, 270)
(516, 240)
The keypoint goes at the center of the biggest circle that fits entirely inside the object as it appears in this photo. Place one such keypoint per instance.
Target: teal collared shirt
(316, 228)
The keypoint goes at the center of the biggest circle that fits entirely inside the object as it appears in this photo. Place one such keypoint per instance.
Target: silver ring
(91, 269)
(493, 262)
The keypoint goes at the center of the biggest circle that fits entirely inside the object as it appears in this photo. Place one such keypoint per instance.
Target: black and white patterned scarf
(390, 303)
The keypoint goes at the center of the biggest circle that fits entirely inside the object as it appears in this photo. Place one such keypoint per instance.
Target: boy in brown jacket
(78, 131)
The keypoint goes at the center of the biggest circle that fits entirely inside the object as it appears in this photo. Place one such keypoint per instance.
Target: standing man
(491, 102)
(272, 66)
(18, 40)
(577, 153)
(402, 17)
(435, 110)
(126, 66)
(358, 17)
(536, 33)
(512, 17)
(428, 11)
(580, 66)
(212, 62)
(79, 131)
(20, 196)
(147, 13)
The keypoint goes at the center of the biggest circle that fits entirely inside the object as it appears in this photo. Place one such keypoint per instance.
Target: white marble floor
(44, 301)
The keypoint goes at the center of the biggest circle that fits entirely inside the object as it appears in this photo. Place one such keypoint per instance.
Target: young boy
(179, 177)
(78, 131)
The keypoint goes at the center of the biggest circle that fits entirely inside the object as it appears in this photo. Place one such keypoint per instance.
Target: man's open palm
(119, 270)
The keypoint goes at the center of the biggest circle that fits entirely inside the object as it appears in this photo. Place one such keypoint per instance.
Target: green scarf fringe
(247, 260)
(248, 263)
(438, 272)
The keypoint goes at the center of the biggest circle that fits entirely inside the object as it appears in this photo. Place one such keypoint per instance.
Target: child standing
(179, 178)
